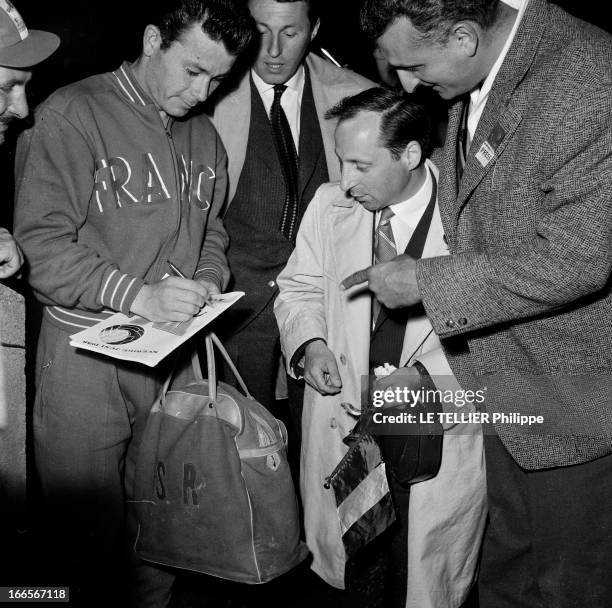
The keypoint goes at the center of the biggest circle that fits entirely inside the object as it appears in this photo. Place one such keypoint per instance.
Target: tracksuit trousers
(89, 413)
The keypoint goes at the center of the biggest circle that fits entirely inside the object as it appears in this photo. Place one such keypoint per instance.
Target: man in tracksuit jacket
(114, 182)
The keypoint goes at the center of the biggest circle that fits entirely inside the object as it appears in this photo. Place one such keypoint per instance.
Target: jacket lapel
(232, 119)
(350, 223)
(310, 145)
(418, 329)
(447, 183)
(499, 125)
(501, 117)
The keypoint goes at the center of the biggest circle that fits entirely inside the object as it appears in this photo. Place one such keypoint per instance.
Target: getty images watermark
(547, 404)
(408, 406)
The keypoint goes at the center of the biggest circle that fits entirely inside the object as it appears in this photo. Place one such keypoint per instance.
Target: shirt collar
(295, 83)
(408, 209)
(480, 94)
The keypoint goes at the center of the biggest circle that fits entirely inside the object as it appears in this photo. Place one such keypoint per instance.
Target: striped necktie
(287, 154)
(384, 248)
(384, 243)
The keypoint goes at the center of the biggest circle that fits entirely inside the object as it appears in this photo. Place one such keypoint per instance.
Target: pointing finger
(361, 276)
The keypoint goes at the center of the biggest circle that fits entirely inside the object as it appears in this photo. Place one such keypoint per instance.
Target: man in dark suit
(526, 176)
(280, 150)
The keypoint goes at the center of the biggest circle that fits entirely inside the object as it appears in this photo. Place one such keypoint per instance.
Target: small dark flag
(363, 499)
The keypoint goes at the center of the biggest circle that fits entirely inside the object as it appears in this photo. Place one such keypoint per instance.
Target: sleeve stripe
(126, 293)
(116, 288)
(110, 276)
(64, 311)
(64, 321)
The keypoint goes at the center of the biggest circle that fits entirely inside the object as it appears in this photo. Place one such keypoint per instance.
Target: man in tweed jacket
(524, 299)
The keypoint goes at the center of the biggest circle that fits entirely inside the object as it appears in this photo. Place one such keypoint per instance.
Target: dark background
(96, 37)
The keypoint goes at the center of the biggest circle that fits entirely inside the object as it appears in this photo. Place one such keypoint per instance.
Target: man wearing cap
(20, 49)
(115, 183)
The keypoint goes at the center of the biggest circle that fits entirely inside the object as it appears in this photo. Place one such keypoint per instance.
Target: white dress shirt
(408, 213)
(478, 97)
(291, 101)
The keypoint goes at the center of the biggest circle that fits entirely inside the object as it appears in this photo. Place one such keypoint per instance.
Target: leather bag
(417, 456)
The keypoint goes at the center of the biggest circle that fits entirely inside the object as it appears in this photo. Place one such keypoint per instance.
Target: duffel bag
(213, 488)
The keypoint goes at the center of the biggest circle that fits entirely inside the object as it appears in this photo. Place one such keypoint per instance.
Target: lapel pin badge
(487, 151)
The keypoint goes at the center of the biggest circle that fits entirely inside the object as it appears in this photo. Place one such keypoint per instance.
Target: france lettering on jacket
(116, 184)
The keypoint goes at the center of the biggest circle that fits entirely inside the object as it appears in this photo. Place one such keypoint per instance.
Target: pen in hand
(177, 272)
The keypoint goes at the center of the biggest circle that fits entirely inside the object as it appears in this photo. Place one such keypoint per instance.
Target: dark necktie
(462, 141)
(285, 147)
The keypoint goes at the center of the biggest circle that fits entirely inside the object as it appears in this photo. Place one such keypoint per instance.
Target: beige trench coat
(447, 513)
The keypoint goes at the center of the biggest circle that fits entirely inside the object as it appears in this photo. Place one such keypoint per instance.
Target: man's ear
(465, 36)
(315, 30)
(151, 40)
(412, 155)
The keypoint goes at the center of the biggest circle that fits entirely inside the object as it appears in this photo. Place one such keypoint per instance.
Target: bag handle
(210, 339)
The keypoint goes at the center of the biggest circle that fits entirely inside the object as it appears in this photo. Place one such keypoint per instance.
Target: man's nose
(19, 104)
(274, 46)
(408, 80)
(346, 179)
(202, 89)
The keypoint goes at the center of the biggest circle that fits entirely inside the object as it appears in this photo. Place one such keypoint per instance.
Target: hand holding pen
(174, 298)
(212, 289)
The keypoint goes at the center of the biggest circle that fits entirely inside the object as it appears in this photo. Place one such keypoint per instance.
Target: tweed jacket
(232, 114)
(526, 294)
(446, 513)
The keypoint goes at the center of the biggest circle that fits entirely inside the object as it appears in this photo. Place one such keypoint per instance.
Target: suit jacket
(525, 300)
(446, 513)
(232, 115)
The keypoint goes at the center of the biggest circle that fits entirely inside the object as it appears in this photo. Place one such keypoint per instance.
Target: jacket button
(333, 423)
(463, 321)
(343, 359)
(271, 284)
(450, 324)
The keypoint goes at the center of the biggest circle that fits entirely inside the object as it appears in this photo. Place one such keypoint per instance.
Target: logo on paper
(121, 334)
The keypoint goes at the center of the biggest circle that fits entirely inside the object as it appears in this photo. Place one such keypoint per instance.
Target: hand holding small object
(212, 289)
(321, 369)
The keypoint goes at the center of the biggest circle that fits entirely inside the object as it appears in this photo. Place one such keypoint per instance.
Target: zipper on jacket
(179, 195)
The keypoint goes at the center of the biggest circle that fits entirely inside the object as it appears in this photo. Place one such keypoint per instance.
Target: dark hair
(431, 18)
(226, 21)
(314, 10)
(403, 119)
